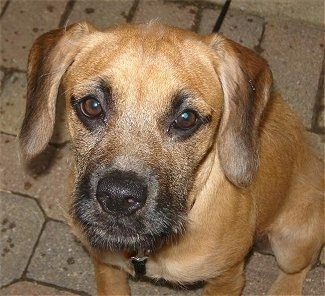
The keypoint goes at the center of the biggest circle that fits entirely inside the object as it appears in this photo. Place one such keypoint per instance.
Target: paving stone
(59, 260)
(21, 223)
(102, 13)
(242, 28)
(295, 53)
(311, 11)
(12, 109)
(12, 103)
(32, 288)
(23, 21)
(208, 20)
(174, 14)
(47, 180)
(261, 271)
(315, 282)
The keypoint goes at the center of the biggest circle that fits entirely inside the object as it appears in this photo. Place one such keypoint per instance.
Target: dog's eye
(186, 120)
(91, 107)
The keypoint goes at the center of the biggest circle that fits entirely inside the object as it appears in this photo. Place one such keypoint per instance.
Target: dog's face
(142, 121)
(150, 108)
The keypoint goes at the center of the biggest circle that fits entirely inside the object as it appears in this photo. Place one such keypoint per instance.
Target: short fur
(244, 173)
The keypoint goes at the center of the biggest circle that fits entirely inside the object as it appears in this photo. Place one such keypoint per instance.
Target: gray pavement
(39, 255)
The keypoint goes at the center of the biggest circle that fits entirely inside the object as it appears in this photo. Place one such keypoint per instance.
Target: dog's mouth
(121, 211)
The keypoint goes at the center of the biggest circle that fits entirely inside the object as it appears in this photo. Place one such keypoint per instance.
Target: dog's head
(148, 107)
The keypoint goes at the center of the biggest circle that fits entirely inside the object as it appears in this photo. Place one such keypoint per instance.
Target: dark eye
(186, 120)
(91, 107)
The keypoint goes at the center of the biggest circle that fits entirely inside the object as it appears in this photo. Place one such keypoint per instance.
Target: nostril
(121, 192)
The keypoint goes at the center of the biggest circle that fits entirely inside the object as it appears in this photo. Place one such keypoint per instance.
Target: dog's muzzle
(128, 209)
(121, 193)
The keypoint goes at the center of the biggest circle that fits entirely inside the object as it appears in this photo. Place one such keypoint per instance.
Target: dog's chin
(147, 229)
(125, 240)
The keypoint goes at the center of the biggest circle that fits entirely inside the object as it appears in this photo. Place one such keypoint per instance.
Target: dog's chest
(174, 269)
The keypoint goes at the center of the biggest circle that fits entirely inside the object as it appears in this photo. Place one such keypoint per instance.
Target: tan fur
(254, 177)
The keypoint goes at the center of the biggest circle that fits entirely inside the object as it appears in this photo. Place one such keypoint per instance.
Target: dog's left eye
(91, 107)
(186, 120)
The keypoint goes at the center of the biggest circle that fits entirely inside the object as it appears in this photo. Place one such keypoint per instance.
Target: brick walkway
(39, 256)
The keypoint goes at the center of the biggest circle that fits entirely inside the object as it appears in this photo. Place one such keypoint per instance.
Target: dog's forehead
(144, 61)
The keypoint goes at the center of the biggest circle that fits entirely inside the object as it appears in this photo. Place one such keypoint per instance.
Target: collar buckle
(139, 262)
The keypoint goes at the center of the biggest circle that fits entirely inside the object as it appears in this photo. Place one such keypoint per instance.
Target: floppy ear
(51, 55)
(246, 81)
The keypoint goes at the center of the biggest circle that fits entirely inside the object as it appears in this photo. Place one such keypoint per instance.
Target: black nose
(121, 192)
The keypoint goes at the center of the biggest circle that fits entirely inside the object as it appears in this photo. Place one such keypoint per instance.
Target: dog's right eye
(91, 107)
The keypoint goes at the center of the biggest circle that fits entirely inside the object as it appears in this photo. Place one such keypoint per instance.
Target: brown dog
(183, 156)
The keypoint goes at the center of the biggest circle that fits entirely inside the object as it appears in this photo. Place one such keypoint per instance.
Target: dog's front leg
(289, 284)
(230, 282)
(110, 280)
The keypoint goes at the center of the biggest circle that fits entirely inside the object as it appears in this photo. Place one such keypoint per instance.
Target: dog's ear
(50, 57)
(246, 82)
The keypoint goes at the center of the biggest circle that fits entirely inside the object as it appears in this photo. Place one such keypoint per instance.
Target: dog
(184, 156)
